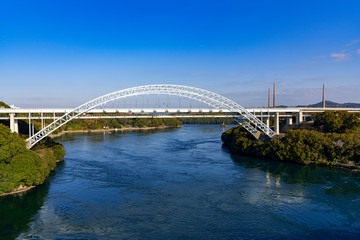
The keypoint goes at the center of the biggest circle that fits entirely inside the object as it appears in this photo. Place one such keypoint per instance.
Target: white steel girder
(248, 120)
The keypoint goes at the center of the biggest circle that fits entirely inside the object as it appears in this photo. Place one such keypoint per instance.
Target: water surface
(179, 184)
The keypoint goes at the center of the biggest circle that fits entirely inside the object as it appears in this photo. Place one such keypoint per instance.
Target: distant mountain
(331, 104)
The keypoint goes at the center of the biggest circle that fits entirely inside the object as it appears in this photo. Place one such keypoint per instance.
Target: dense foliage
(22, 167)
(305, 146)
(337, 121)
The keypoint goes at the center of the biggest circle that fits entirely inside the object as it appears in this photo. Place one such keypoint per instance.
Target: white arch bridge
(248, 120)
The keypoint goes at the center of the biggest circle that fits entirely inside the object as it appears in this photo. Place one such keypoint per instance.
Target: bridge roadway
(265, 114)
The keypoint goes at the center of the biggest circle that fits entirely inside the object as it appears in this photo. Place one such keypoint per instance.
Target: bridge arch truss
(248, 120)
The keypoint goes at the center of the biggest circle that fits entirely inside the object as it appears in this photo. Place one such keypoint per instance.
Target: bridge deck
(171, 110)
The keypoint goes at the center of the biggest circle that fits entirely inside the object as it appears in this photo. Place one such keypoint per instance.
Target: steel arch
(243, 117)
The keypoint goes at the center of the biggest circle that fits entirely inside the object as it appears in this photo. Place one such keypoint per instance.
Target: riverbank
(119, 124)
(110, 130)
(22, 169)
(307, 147)
(20, 189)
(23, 189)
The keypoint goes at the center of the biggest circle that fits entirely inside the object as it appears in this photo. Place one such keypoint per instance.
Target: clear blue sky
(64, 53)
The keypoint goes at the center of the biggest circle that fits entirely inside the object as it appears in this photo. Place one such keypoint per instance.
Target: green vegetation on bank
(92, 124)
(335, 142)
(22, 167)
(95, 124)
(112, 123)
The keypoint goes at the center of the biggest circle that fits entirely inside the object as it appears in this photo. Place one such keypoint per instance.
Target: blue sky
(64, 53)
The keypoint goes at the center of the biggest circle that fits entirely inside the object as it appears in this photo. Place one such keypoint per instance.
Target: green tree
(10, 144)
(337, 121)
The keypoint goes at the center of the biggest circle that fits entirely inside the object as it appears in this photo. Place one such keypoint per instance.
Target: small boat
(223, 125)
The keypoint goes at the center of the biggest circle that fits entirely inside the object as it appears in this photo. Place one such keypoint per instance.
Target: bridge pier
(277, 123)
(299, 117)
(14, 124)
(289, 120)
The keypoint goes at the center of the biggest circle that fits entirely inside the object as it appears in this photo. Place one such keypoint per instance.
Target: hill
(3, 105)
(331, 104)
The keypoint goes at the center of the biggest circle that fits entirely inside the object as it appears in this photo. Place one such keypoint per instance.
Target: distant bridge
(246, 119)
(252, 119)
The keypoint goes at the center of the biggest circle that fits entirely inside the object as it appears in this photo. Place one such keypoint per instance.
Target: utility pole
(274, 97)
(269, 101)
(323, 95)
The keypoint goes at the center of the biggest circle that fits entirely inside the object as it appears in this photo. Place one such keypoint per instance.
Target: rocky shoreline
(20, 189)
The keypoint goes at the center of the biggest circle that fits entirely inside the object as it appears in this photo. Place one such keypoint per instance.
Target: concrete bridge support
(299, 117)
(14, 124)
(277, 123)
(289, 121)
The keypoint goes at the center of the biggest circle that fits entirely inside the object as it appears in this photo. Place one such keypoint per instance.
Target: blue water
(181, 184)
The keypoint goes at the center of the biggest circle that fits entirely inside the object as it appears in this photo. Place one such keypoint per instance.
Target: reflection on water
(293, 173)
(180, 183)
(17, 211)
